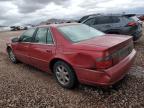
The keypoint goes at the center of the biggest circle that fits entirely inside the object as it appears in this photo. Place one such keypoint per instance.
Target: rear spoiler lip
(129, 15)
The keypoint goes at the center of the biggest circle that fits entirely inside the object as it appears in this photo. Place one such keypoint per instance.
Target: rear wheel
(12, 56)
(64, 74)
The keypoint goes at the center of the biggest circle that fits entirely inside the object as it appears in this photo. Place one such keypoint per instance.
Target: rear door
(22, 48)
(103, 23)
(115, 25)
(42, 49)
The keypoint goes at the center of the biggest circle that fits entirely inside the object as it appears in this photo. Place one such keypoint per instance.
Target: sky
(18, 12)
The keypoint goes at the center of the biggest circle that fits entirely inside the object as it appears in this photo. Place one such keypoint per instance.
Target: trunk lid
(109, 42)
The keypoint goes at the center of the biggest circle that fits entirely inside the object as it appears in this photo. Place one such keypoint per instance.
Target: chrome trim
(37, 43)
(24, 42)
(42, 44)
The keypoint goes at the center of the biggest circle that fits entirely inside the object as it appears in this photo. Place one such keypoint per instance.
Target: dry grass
(139, 46)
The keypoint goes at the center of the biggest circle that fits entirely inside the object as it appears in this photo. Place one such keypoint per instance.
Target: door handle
(49, 51)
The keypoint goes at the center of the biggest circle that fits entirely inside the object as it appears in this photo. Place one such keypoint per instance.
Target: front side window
(27, 36)
(83, 18)
(79, 32)
(90, 21)
(41, 35)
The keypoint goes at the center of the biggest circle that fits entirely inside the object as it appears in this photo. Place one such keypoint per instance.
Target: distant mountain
(55, 21)
(2, 26)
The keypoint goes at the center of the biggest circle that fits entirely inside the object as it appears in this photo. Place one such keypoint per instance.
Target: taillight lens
(131, 24)
(111, 59)
(103, 63)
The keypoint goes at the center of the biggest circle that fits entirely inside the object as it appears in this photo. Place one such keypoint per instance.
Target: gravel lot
(22, 86)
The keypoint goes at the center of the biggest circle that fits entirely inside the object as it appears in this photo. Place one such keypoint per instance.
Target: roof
(104, 15)
(110, 15)
(58, 25)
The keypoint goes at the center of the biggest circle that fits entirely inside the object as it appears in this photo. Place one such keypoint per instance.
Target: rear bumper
(106, 77)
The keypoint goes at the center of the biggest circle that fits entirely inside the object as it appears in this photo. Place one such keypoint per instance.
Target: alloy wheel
(12, 56)
(62, 75)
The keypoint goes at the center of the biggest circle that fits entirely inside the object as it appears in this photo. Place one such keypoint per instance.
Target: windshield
(79, 32)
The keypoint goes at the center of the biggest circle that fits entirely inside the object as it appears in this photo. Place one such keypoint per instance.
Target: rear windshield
(135, 18)
(79, 32)
(132, 19)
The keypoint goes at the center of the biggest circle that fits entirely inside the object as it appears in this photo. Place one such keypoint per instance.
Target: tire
(12, 56)
(64, 75)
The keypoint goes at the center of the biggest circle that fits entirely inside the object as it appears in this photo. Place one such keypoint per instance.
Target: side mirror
(15, 39)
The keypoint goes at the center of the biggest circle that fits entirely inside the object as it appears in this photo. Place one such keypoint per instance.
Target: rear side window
(41, 35)
(90, 21)
(103, 20)
(115, 19)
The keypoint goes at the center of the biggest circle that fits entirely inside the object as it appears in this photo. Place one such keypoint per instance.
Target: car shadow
(105, 90)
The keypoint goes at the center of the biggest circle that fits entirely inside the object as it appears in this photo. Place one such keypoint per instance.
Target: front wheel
(12, 56)
(64, 75)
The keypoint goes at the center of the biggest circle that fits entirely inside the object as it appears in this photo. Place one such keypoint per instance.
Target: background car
(15, 28)
(141, 17)
(115, 24)
(74, 53)
(23, 28)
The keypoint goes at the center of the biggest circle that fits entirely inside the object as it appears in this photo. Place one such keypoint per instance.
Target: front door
(42, 49)
(22, 48)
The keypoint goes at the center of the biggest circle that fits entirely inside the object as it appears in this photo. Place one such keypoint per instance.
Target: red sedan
(74, 53)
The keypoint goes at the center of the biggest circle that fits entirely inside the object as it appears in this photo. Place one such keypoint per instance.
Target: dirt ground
(22, 86)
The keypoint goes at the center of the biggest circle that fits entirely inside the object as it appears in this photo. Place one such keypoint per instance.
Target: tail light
(114, 58)
(103, 63)
(131, 24)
